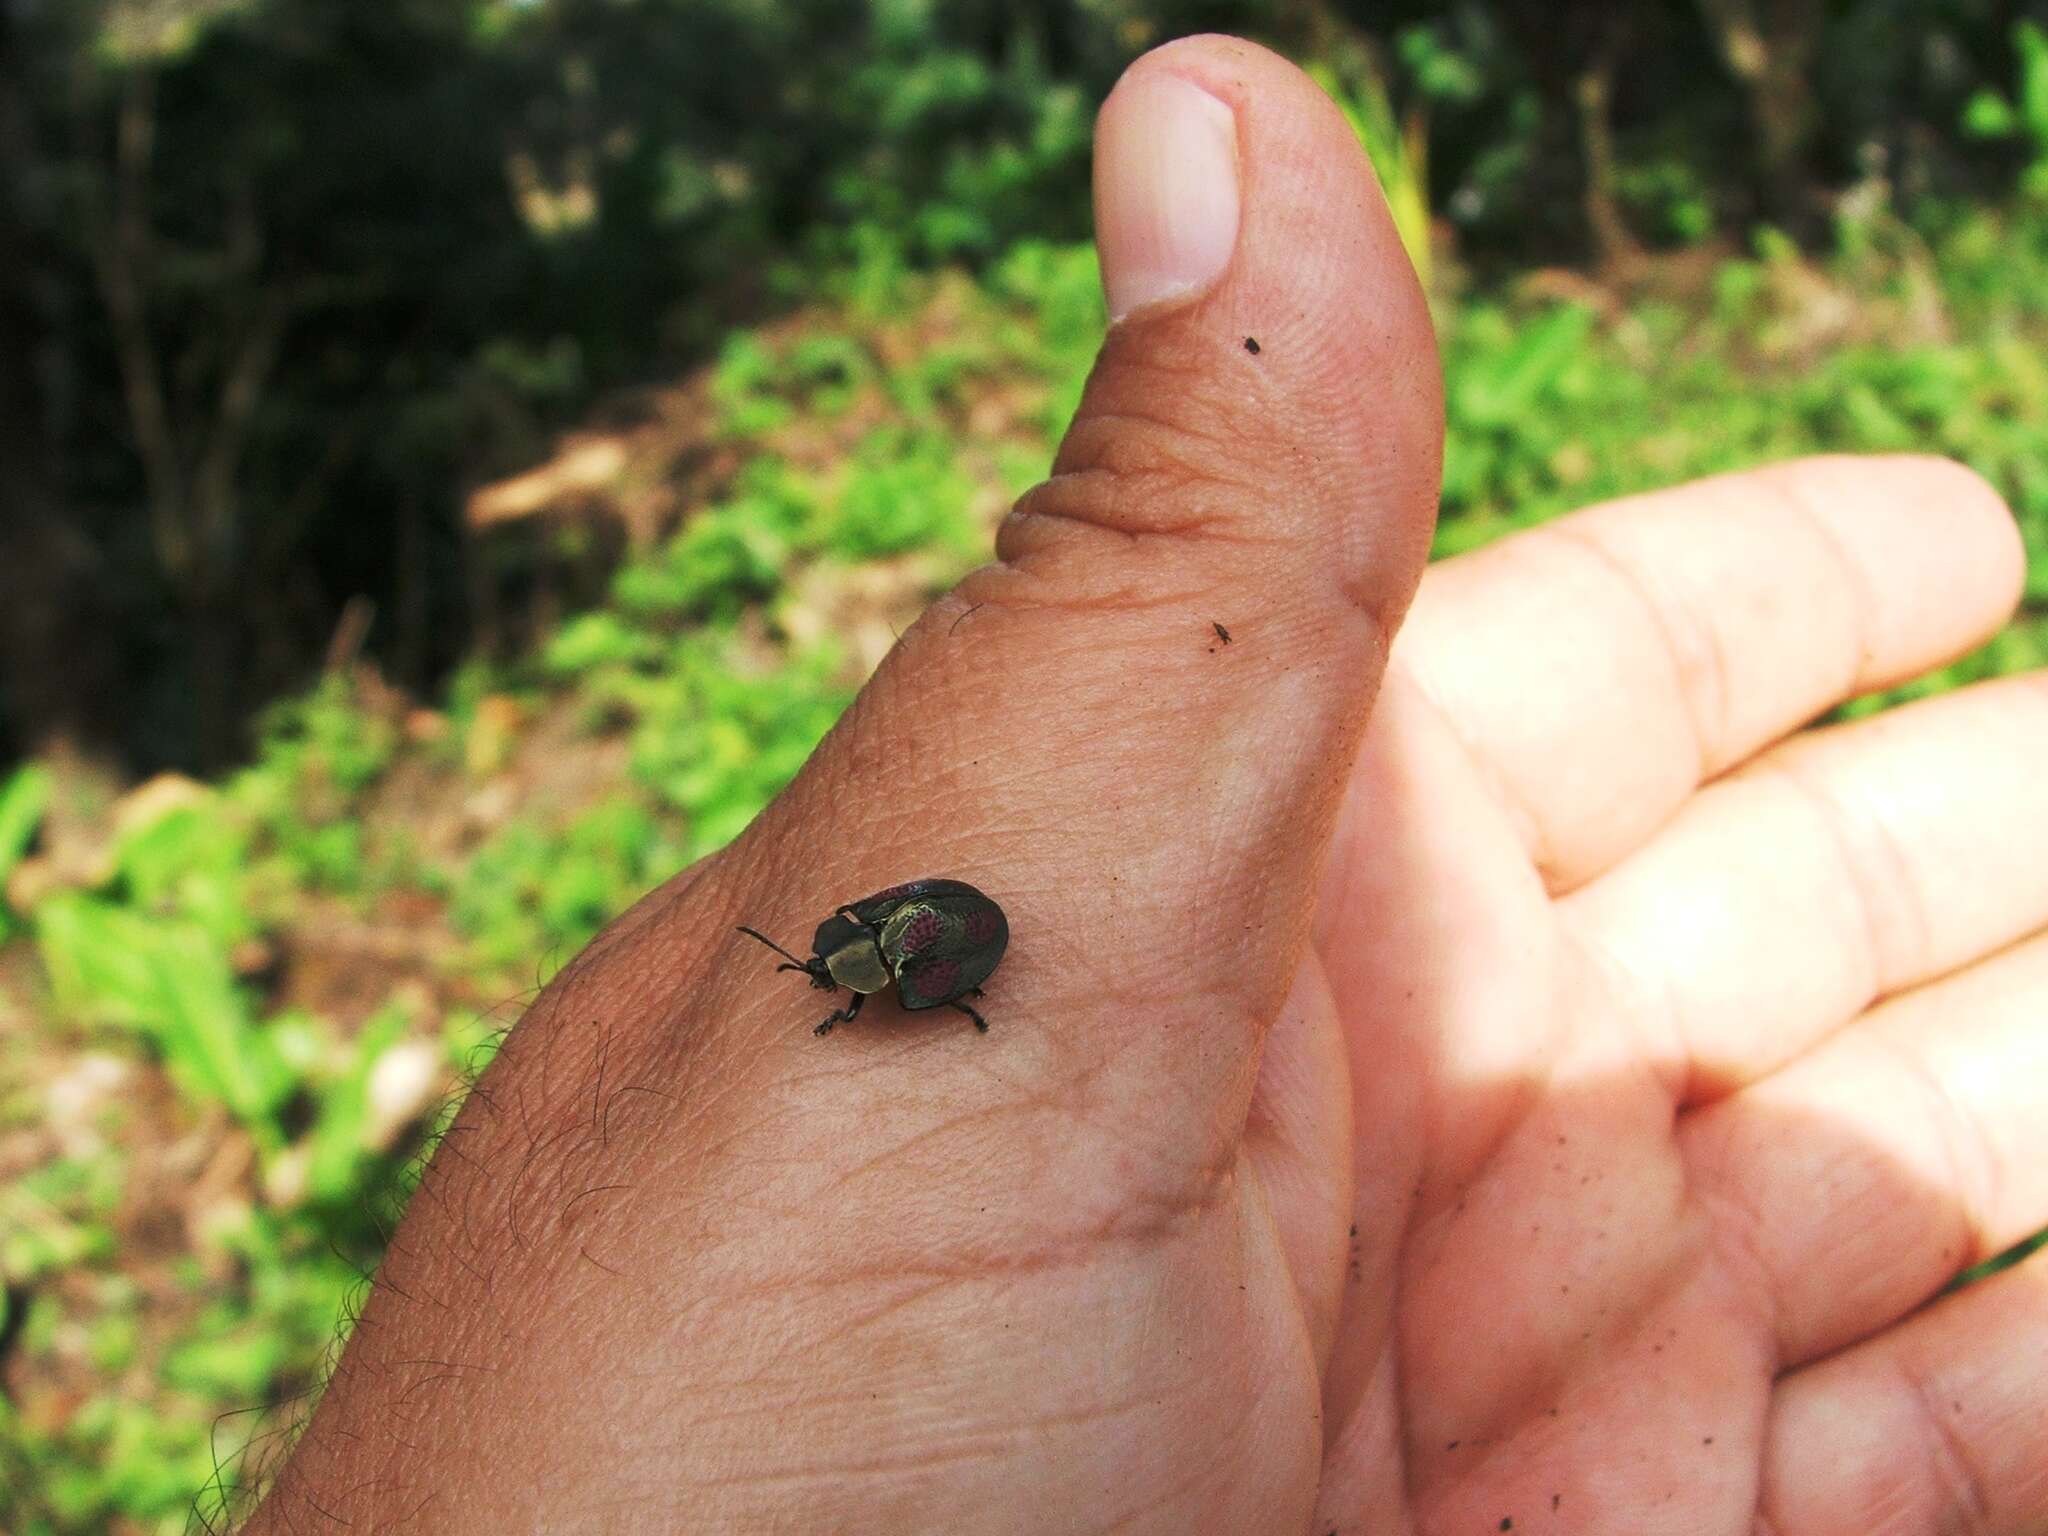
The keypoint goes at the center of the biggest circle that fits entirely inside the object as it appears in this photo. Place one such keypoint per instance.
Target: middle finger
(1847, 864)
(1600, 668)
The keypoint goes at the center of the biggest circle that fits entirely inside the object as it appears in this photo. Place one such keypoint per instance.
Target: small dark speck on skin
(1221, 633)
(1507, 1522)
(1251, 345)
(1555, 1500)
(1454, 1445)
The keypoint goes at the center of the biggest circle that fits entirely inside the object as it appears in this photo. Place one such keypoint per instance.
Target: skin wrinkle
(1191, 598)
(1071, 563)
(1536, 1395)
(1073, 497)
(1167, 1494)
(1139, 1218)
(1884, 967)
(1795, 494)
(1668, 1054)
(1737, 1232)
(1536, 1400)
(1084, 592)
(1687, 661)
(992, 1446)
(1973, 1174)
(1961, 1486)
(1531, 1090)
(860, 1322)
(1130, 439)
(1135, 371)
(1528, 824)
(1184, 505)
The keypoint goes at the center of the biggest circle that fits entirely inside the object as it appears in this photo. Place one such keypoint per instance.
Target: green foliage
(325, 742)
(745, 387)
(168, 980)
(55, 1218)
(309, 339)
(22, 798)
(190, 862)
(852, 454)
(318, 757)
(2023, 117)
(902, 491)
(713, 734)
(531, 897)
(338, 1144)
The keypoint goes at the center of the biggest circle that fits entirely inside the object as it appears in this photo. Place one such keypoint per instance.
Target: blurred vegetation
(788, 301)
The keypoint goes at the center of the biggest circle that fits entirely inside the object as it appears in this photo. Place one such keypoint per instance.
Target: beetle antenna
(800, 966)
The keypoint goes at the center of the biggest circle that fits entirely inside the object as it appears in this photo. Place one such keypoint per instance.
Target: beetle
(938, 940)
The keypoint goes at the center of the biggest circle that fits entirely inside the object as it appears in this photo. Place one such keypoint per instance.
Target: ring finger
(1854, 1184)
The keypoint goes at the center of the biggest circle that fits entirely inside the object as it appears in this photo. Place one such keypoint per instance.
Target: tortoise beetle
(938, 940)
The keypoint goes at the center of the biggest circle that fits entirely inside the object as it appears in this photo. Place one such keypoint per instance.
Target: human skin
(1530, 1079)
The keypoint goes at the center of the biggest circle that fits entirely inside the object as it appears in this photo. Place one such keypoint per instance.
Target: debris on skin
(1221, 633)
(1251, 345)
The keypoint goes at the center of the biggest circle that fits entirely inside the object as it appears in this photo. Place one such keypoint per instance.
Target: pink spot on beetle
(921, 932)
(939, 978)
(981, 926)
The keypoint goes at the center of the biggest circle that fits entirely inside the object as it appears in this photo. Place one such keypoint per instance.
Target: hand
(1553, 1104)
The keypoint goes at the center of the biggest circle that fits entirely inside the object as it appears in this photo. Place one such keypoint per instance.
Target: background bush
(787, 301)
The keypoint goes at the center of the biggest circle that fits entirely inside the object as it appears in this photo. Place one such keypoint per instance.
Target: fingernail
(1166, 197)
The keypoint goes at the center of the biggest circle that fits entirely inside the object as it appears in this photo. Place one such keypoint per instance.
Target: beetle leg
(842, 1015)
(977, 992)
(979, 1022)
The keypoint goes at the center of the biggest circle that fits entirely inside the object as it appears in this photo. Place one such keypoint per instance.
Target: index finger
(1602, 667)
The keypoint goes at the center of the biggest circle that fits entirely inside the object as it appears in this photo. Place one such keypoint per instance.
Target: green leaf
(2030, 41)
(23, 798)
(171, 981)
(1988, 115)
(1505, 388)
(337, 1144)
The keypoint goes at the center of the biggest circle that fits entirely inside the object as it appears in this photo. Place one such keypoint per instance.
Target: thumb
(1258, 448)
